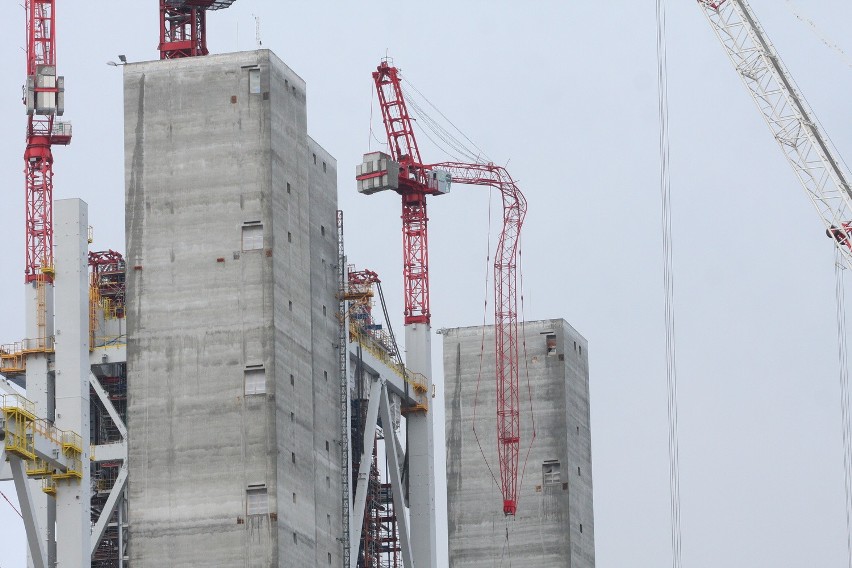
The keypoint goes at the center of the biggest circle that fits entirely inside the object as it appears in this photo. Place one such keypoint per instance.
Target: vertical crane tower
(404, 172)
(183, 26)
(44, 95)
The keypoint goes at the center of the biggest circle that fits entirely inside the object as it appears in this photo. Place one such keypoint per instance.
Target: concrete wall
(209, 150)
(554, 524)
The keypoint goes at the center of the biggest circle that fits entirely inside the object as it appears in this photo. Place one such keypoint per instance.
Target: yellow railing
(94, 302)
(38, 469)
(13, 356)
(22, 427)
(417, 381)
(47, 430)
(111, 310)
(18, 415)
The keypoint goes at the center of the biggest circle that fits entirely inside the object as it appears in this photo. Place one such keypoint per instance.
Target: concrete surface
(209, 150)
(554, 524)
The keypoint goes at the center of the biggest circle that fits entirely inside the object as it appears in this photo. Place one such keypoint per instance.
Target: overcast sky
(565, 94)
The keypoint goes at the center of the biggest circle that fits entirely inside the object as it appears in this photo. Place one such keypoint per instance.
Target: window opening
(255, 380)
(550, 341)
(551, 472)
(254, 81)
(257, 501)
(252, 236)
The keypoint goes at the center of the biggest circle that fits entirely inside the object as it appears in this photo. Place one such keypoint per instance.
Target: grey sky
(565, 92)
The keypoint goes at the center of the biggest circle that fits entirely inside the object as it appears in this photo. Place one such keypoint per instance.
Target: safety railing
(22, 428)
(18, 416)
(13, 356)
(417, 381)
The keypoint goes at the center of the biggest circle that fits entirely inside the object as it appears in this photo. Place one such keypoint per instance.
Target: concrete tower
(232, 336)
(554, 525)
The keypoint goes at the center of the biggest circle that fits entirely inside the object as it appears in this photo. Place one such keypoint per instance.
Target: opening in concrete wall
(255, 380)
(252, 238)
(257, 501)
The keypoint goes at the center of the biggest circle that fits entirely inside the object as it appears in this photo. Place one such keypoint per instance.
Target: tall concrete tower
(554, 524)
(232, 336)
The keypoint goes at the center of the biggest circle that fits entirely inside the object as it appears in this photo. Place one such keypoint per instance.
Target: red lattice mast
(183, 26)
(414, 187)
(416, 181)
(43, 97)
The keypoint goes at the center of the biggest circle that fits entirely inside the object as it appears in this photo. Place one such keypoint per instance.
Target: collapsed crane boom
(788, 116)
(505, 315)
(404, 172)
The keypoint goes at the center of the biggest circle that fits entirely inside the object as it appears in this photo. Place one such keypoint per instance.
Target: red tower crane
(183, 26)
(405, 172)
(44, 99)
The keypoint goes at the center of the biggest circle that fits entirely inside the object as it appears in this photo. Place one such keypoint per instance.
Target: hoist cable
(668, 284)
(480, 150)
(482, 345)
(526, 366)
(11, 504)
(842, 356)
(827, 41)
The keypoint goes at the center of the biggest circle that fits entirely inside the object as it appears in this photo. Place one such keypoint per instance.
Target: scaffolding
(109, 551)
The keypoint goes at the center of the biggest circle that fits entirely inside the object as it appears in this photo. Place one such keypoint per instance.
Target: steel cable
(482, 345)
(11, 505)
(668, 284)
(844, 396)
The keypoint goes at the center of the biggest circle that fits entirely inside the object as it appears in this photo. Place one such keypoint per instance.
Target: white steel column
(73, 497)
(364, 467)
(420, 451)
(398, 492)
(39, 390)
(36, 554)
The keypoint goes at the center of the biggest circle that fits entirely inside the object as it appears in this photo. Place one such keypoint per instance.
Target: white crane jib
(788, 116)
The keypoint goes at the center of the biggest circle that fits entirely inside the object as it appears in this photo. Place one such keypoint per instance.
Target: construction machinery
(792, 122)
(183, 26)
(404, 172)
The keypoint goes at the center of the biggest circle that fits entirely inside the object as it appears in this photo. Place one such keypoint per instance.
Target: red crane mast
(44, 100)
(404, 172)
(183, 26)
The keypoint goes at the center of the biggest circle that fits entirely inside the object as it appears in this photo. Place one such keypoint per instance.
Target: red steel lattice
(414, 185)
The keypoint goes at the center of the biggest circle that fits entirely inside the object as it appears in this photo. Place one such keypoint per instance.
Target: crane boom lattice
(793, 124)
(403, 171)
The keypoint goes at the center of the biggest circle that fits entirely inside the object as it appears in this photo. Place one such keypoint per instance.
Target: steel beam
(37, 551)
(115, 495)
(394, 464)
(110, 408)
(360, 500)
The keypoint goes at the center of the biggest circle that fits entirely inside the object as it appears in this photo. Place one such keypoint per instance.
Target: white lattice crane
(792, 122)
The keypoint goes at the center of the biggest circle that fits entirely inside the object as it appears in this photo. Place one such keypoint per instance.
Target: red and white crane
(405, 172)
(183, 26)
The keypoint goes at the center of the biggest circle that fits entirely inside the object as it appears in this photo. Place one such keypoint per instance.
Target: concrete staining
(554, 525)
(231, 292)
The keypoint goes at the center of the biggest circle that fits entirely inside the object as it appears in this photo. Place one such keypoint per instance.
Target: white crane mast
(786, 112)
